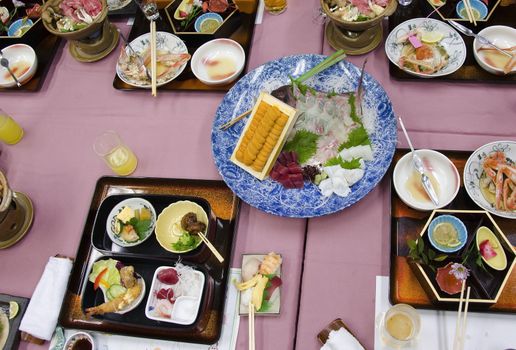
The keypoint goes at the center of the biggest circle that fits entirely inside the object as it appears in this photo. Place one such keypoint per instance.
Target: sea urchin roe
(261, 136)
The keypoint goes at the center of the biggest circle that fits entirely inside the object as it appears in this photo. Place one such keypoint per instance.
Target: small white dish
(473, 171)
(76, 337)
(439, 167)
(218, 62)
(184, 310)
(501, 36)
(135, 302)
(451, 41)
(133, 203)
(23, 62)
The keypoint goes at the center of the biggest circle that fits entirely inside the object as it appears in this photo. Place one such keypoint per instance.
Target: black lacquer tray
(223, 209)
(470, 70)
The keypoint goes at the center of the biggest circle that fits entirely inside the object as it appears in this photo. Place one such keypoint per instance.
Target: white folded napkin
(40, 319)
(341, 340)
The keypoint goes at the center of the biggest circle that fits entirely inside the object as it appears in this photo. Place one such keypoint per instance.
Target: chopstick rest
(40, 319)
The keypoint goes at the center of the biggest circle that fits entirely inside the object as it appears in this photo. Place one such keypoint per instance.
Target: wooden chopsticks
(153, 57)
(469, 11)
(233, 121)
(460, 326)
(211, 247)
(252, 343)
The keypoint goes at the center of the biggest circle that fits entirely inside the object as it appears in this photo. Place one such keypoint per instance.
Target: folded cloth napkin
(341, 340)
(40, 319)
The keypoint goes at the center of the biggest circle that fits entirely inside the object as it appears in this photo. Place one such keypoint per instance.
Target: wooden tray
(406, 223)
(470, 71)
(45, 45)
(239, 27)
(207, 328)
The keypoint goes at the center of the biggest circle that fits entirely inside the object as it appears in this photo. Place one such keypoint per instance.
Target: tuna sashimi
(486, 250)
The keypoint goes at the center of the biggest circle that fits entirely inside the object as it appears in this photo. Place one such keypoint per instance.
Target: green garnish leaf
(353, 113)
(345, 164)
(186, 242)
(431, 254)
(331, 94)
(440, 258)
(304, 144)
(412, 244)
(357, 137)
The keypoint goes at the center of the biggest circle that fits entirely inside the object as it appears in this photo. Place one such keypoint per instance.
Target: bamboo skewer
(211, 247)
(252, 343)
(153, 57)
(230, 123)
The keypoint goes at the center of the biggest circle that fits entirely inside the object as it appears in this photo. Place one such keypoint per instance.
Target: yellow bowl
(172, 215)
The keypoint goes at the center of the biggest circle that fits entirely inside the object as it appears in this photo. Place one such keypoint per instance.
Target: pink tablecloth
(55, 163)
(345, 251)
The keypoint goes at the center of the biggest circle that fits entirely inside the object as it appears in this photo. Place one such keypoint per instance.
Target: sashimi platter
(319, 137)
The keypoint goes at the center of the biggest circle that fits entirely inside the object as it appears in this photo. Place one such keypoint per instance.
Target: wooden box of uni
(264, 136)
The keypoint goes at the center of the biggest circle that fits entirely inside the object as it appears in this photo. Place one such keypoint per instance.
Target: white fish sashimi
(336, 184)
(365, 152)
(352, 176)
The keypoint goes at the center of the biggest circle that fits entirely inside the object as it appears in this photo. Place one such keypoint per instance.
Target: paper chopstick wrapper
(40, 319)
(341, 340)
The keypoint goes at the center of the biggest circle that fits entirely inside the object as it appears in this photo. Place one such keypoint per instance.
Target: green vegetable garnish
(304, 144)
(357, 137)
(112, 276)
(186, 242)
(351, 164)
(140, 226)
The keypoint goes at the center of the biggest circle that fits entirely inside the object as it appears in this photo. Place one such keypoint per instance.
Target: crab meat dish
(498, 181)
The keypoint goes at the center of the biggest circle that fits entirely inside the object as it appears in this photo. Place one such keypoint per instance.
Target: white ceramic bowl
(501, 36)
(133, 203)
(473, 171)
(79, 335)
(451, 41)
(436, 164)
(218, 62)
(22, 61)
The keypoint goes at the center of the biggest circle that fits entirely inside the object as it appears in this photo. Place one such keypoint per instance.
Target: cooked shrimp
(118, 303)
(270, 264)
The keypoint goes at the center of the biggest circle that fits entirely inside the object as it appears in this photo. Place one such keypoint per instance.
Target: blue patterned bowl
(457, 224)
(477, 5)
(270, 196)
(204, 17)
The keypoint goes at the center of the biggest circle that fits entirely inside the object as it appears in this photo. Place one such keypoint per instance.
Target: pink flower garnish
(459, 271)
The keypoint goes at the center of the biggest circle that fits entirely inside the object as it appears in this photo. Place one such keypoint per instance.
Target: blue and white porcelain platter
(270, 196)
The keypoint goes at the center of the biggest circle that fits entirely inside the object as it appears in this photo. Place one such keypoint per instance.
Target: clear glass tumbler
(10, 131)
(275, 7)
(400, 326)
(115, 153)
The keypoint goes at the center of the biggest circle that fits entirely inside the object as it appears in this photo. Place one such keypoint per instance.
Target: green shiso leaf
(357, 137)
(304, 144)
(186, 242)
(351, 164)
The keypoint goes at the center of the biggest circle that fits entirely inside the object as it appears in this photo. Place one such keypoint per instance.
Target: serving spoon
(5, 63)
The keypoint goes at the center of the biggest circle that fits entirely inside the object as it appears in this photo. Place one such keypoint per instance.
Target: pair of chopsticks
(153, 57)
(469, 11)
(460, 327)
(252, 342)
(211, 247)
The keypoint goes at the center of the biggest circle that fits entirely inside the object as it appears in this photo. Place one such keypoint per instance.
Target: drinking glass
(149, 9)
(115, 153)
(404, 2)
(400, 326)
(275, 7)
(10, 131)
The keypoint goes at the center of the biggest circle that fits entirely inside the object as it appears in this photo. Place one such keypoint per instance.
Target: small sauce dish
(19, 27)
(218, 62)
(208, 23)
(80, 341)
(23, 62)
(447, 233)
(489, 58)
(442, 173)
(478, 8)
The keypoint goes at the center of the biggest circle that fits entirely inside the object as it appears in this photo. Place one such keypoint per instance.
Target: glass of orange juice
(275, 7)
(116, 154)
(400, 326)
(10, 131)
